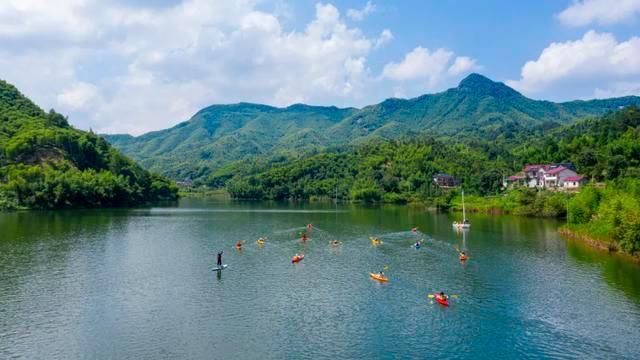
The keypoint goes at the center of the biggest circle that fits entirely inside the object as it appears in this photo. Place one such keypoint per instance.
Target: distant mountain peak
(483, 85)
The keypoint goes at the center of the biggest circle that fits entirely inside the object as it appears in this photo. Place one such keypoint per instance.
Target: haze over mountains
(219, 134)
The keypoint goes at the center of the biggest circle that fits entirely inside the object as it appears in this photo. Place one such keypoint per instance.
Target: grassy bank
(202, 192)
(523, 202)
(596, 238)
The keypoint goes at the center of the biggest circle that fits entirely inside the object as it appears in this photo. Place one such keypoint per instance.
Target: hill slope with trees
(221, 134)
(45, 163)
(607, 150)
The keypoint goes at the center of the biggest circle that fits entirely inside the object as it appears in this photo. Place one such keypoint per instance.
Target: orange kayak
(379, 277)
(464, 258)
(297, 259)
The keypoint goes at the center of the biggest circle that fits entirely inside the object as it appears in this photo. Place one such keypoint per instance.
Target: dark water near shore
(126, 284)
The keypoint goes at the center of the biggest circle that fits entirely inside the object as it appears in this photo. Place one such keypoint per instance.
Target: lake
(137, 283)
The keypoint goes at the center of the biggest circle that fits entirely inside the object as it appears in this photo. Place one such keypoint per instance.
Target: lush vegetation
(221, 134)
(402, 170)
(606, 149)
(45, 163)
(610, 214)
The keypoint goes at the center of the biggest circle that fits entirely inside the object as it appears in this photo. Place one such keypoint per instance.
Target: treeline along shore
(603, 201)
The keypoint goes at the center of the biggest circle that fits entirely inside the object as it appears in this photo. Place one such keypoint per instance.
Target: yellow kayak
(260, 242)
(379, 277)
(376, 242)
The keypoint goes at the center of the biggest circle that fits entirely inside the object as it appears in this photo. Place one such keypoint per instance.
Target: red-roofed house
(545, 176)
(555, 177)
(573, 182)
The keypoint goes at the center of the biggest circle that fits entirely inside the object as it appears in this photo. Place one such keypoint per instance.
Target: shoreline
(601, 245)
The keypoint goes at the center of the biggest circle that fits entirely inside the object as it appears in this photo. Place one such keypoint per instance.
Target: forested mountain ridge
(606, 148)
(46, 163)
(220, 134)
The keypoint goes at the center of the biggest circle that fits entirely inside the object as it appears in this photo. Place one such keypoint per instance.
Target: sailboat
(465, 223)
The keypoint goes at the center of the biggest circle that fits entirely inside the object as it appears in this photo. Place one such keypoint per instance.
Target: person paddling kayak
(442, 299)
(239, 245)
(219, 263)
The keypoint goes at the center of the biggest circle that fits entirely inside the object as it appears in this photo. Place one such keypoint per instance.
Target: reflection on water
(622, 274)
(138, 284)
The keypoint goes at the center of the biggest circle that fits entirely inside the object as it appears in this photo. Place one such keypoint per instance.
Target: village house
(185, 183)
(547, 176)
(445, 180)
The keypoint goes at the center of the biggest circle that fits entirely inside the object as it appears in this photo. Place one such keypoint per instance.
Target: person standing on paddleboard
(220, 258)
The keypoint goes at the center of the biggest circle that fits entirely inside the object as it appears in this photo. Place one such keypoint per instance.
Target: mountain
(220, 134)
(602, 149)
(45, 163)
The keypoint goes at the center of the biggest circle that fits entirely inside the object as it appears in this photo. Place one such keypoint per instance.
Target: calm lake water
(133, 284)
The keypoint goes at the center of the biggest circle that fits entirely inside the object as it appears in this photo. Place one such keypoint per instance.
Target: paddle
(455, 296)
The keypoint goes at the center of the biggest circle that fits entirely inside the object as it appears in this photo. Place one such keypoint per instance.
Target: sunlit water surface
(127, 284)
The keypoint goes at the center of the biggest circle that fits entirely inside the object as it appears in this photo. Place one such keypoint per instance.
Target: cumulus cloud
(605, 12)
(595, 57)
(424, 70)
(359, 15)
(385, 37)
(64, 18)
(116, 67)
(78, 96)
(463, 64)
(618, 89)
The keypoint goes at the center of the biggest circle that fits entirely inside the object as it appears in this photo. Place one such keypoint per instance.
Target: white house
(546, 176)
(555, 177)
(573, 182)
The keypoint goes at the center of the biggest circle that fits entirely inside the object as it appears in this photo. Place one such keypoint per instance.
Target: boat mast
(464, 214)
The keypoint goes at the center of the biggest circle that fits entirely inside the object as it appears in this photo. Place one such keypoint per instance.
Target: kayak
(239, 247)
(297, 259)
(417, 246)
(464, 258)
(376, 242)
(441, 301)
(220, 268)
(379, 277)
(260, 242)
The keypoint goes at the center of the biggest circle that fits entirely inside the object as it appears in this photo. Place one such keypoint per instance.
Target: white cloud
(597, 57)
(420, 63)
(119, 68)
(605, 12)
(385, 37)
(618, 89)
(359, 15)
(463, 64)
(423, 70)
(78, 96)
(65, 18)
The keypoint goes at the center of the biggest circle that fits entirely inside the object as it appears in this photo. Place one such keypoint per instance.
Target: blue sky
(141, 65)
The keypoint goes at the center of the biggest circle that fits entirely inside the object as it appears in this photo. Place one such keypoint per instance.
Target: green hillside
(45, 163)
(220, 134)
(605, 149)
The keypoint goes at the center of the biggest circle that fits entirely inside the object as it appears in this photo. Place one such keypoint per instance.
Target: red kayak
(297, 259)
(442, 301)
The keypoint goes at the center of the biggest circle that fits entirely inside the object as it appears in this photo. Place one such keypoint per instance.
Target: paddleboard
(224, 266)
